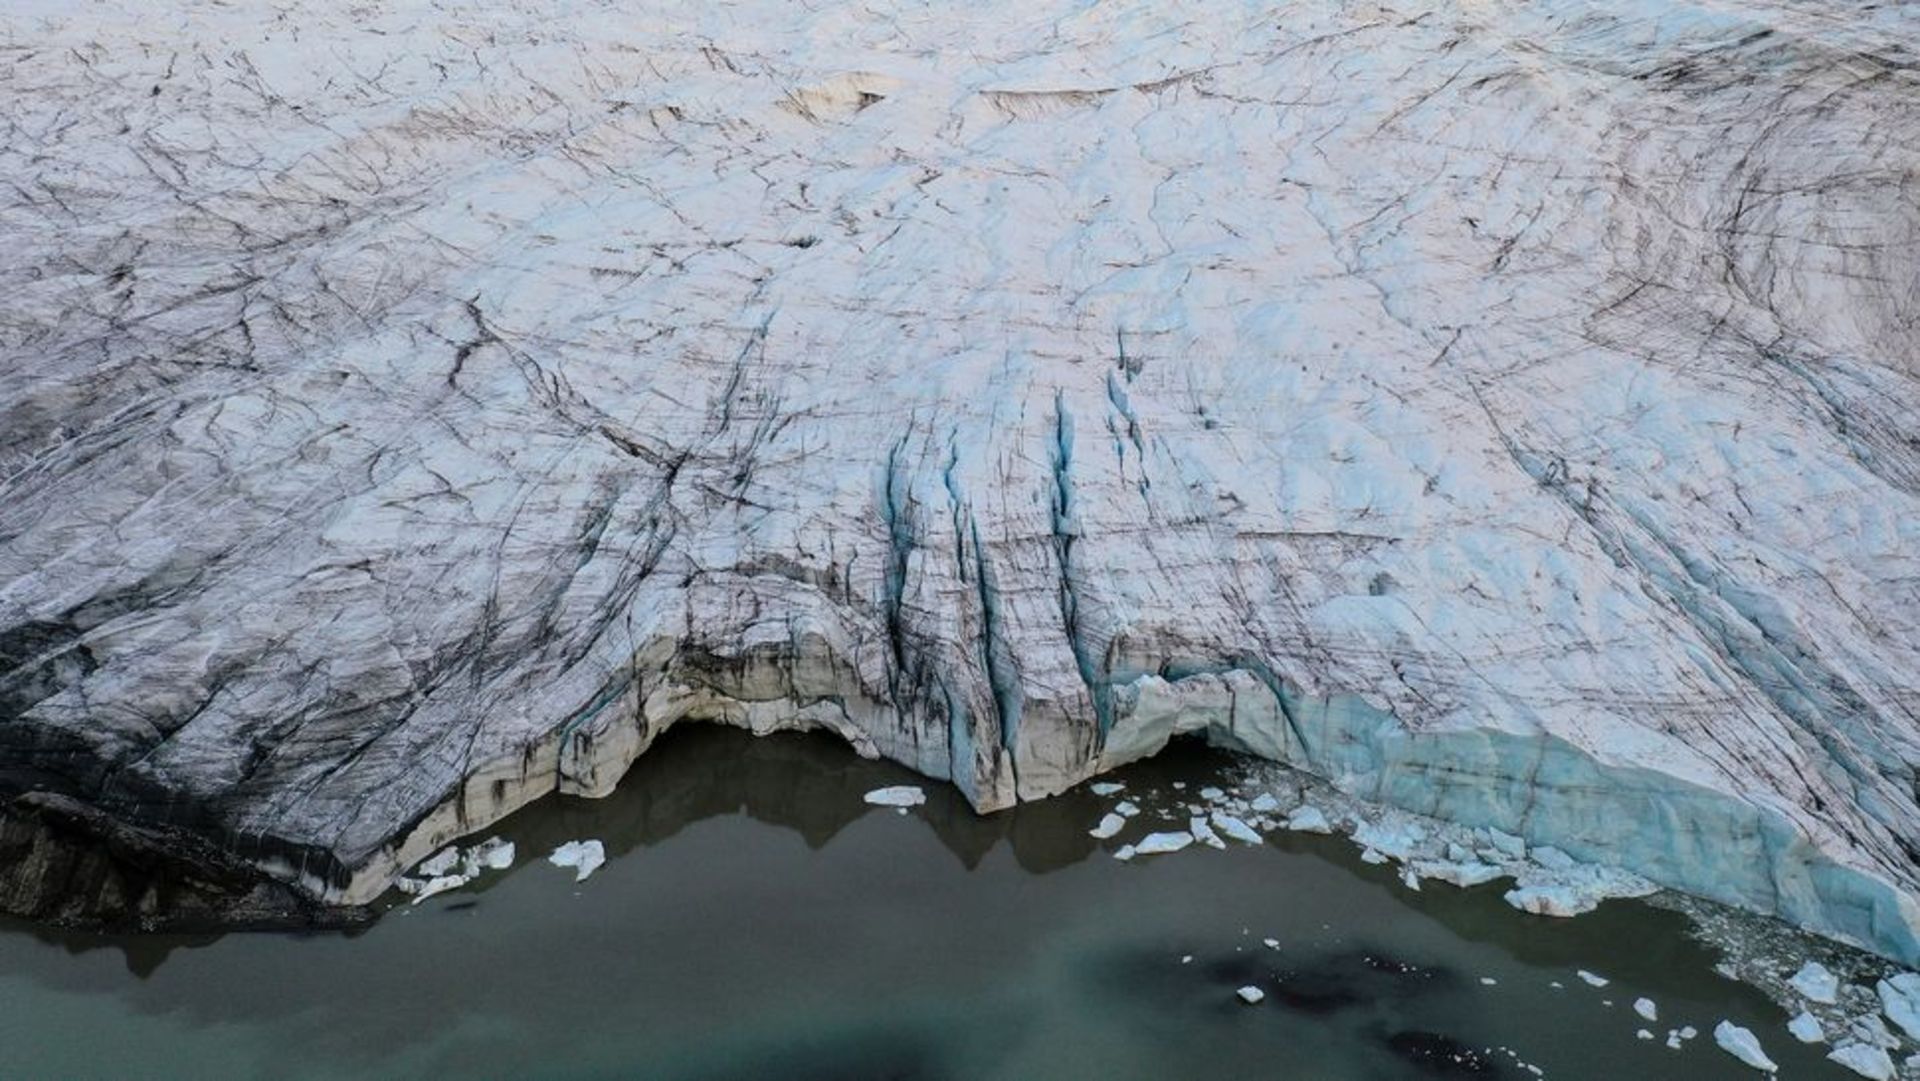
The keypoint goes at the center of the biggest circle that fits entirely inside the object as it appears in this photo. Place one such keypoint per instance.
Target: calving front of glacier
(1505, 410)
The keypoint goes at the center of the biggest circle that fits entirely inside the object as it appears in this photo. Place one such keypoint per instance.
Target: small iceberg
(437, 885)
(1307, 819)
(1235, 828)
(1202, 832)
(1593, 980)
(1105, 788)
(900, 795)
(1806, 1028)
(585, 857)
(1159, 844)
(1743, 1045)
(1646, 1009)
(440, 863)
(1464, 875)
(1393, 838)
(1817, 983)
(1108, 826)
(1864, 1059)
(492, 854)
(1900, 1001)
(1561, 901)
(1251, 995)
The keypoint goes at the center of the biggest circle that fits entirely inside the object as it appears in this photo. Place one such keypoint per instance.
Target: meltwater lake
(756, 919)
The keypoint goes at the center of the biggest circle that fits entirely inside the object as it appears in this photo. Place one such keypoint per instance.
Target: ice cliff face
(1508, 410)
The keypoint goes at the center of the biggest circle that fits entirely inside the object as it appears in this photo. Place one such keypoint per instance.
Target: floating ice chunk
(1250, 994)
(1372, 855)
(1109, 825)
(1156, 844)
(1673, 1039)
(1270, 943)
(438, 864)
(1212, 795)
(1307, 819)
(1900, 1000)
(1551, 900)
(439, 884)
(1864, 1059)
(1646, 1009)
(1488, 981)
(1643, 1034)
(1204, 833)
(1126, 852)
(1179, 786)
(900, 795)
(1507, 844)
(1264, 803)
(585, 857)
(1105, 788)
(492, 854)
(1743, 1045)
(1591, 979)
(1126, 808)
(1688, 1032)
(1186, 959)
(1458, 853)
(1395, 839)
(1235, 828)
(1463, 875)
(1553, 859)
(1870, 1029)
(1819, 985)
(1806, 1028)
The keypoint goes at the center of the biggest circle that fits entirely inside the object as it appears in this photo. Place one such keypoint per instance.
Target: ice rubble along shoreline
(1497, 432)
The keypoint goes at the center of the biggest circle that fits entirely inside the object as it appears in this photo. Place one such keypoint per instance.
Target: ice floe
(1900, 1000)
(1744, 1045)
(1307, 819)
(1235, 828)
(1159, 844)
(1816, 983)
(1203, 832)
(1806, 1028)
(1864, 1059)
(585, 857)
(900, 795)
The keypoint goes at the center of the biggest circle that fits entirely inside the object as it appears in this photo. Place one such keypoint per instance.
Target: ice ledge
(1668, 827)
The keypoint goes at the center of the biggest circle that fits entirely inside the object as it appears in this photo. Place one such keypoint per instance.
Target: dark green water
(756, 919)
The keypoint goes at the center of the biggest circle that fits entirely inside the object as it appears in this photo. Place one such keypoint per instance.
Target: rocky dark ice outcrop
(1508, 411)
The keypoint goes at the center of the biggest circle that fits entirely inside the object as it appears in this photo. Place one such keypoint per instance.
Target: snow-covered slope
(1506, 409)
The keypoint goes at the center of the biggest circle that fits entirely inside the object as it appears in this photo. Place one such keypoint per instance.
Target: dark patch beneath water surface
(1442, 1056)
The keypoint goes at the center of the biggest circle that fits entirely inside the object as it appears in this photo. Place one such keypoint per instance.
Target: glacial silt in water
(756, 919)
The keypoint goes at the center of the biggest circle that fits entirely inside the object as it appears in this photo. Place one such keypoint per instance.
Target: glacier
(1509, 412)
